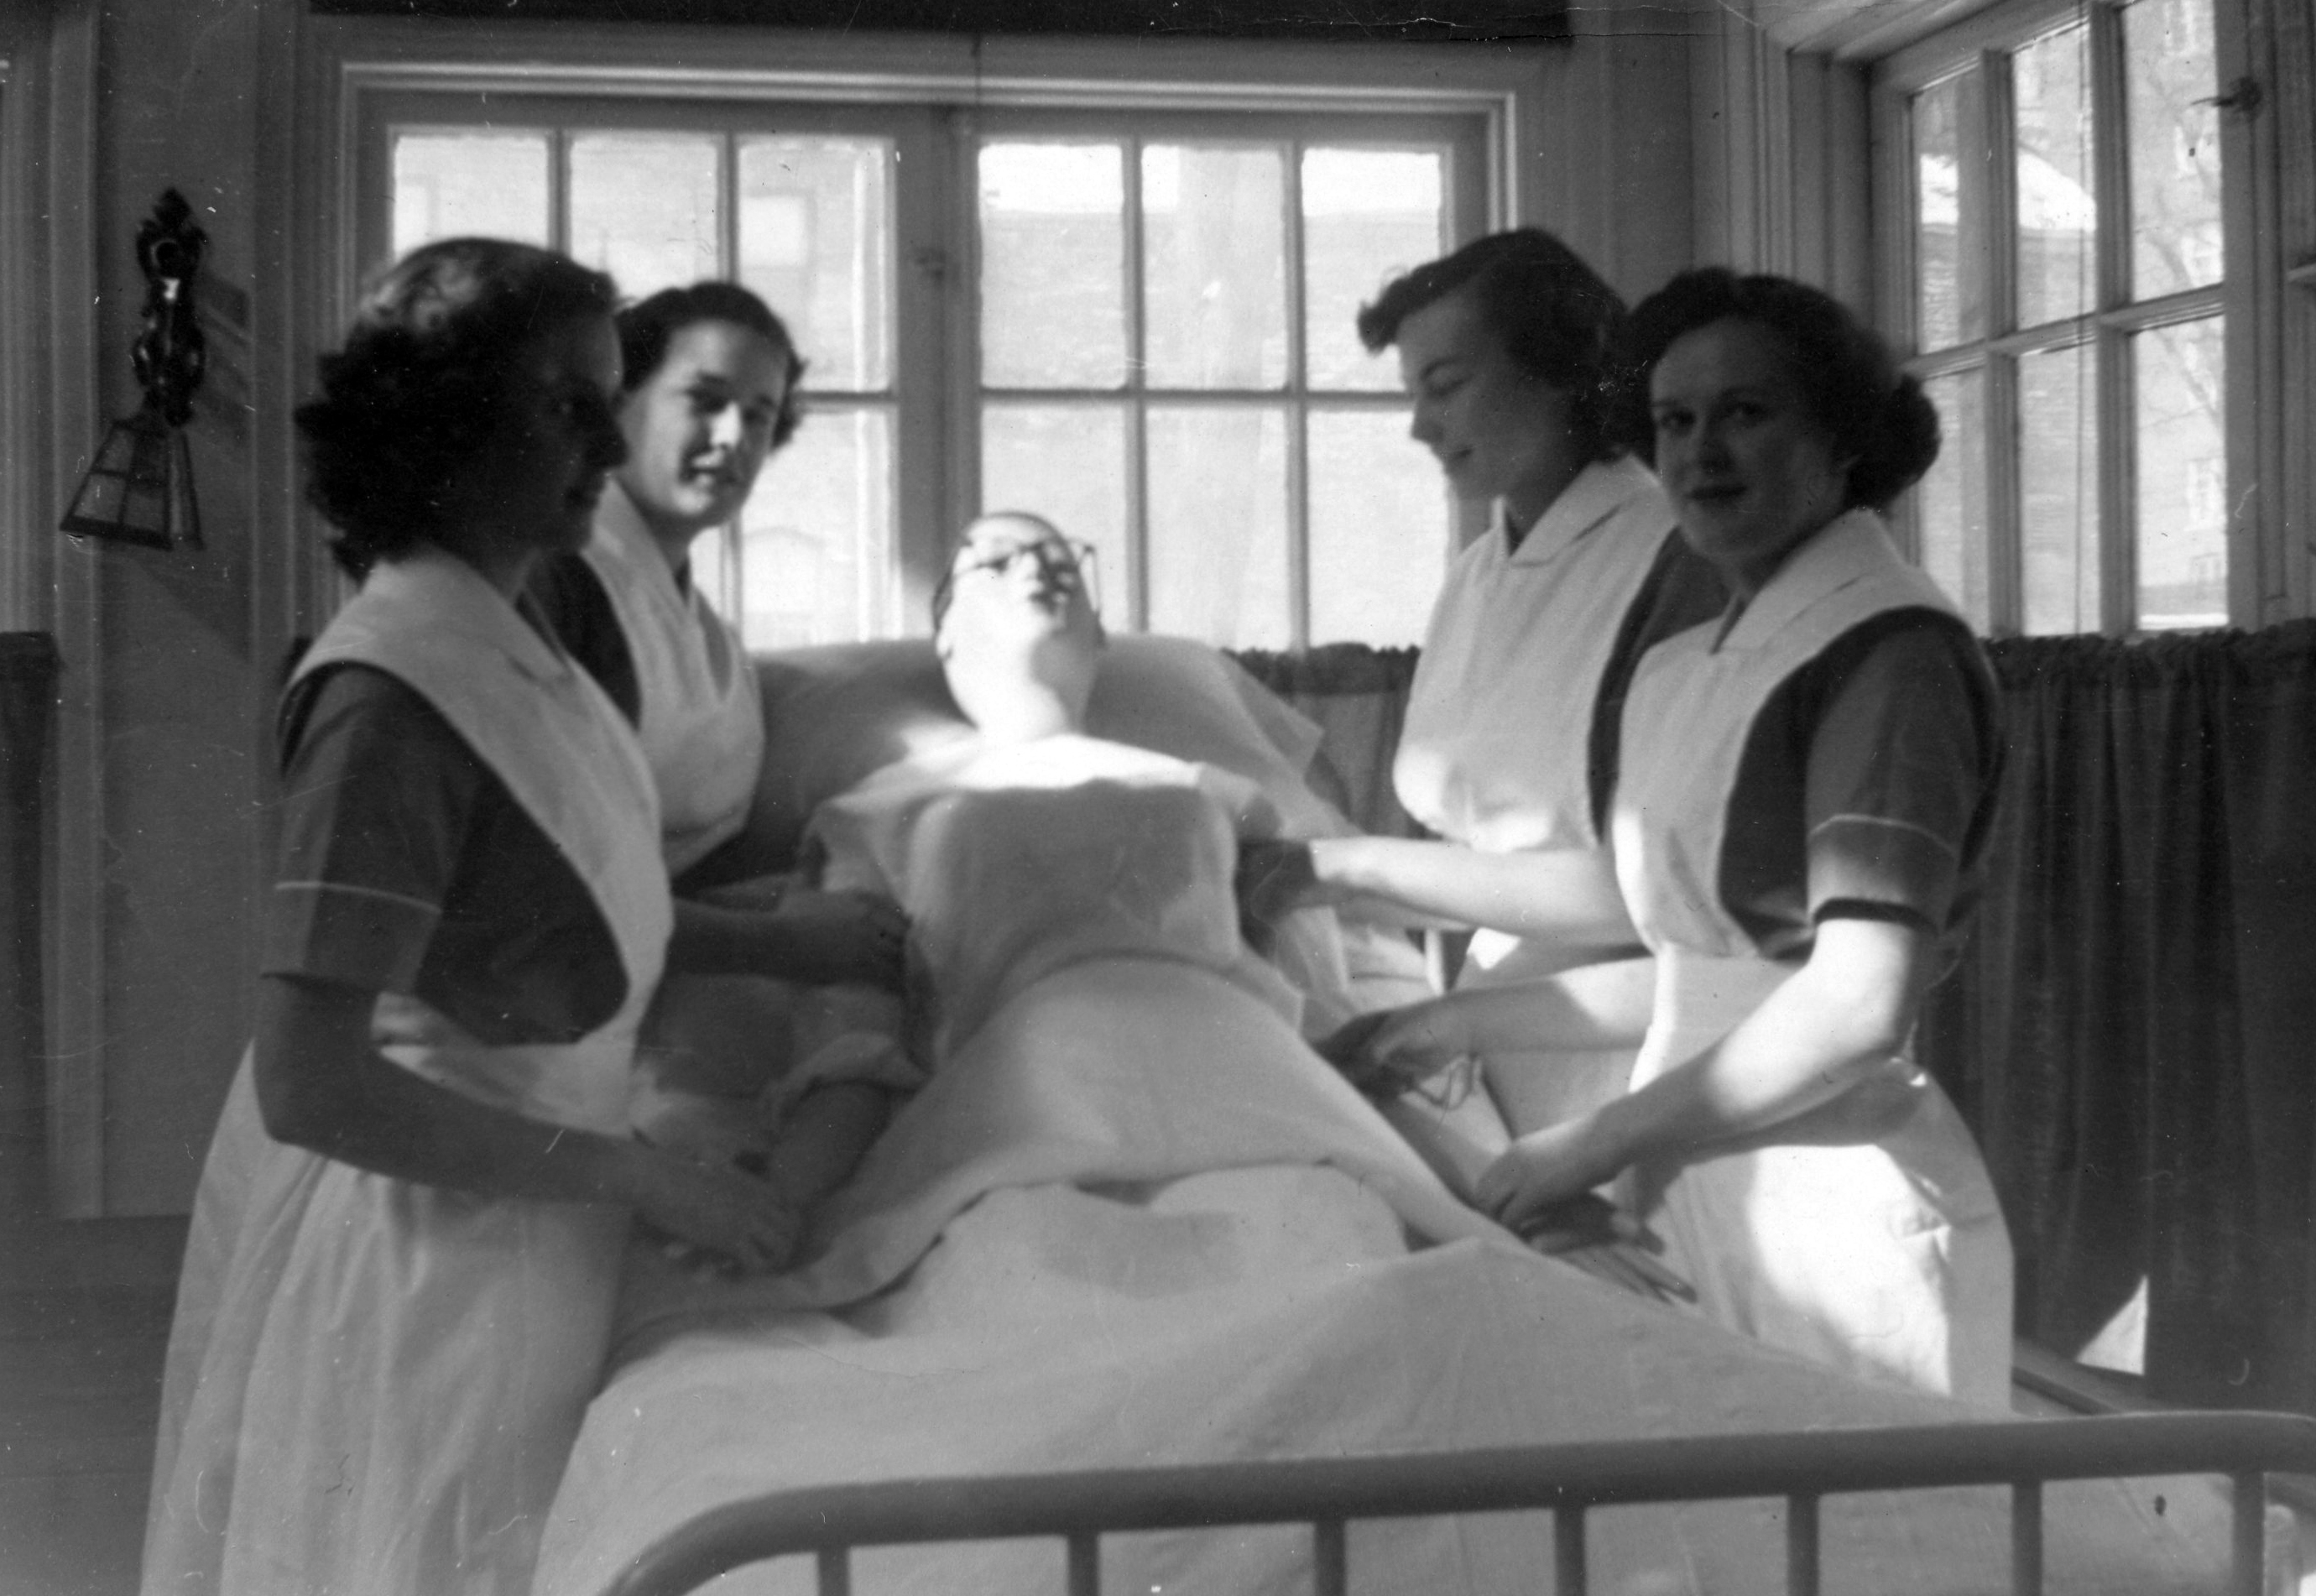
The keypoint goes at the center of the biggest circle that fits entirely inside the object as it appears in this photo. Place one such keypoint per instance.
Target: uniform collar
(621, 528)
(455, 596)
(1600, 490)
(1852, 545)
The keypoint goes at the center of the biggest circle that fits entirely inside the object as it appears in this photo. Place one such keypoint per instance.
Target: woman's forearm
(1842, 1015)
(322, 1086)
(1566, 895)
(806, 935)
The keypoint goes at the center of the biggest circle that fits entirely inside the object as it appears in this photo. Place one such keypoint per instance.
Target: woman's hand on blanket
(1392, 1051)
(1545, 1169)
(1604, 1241)
(826, 938)
(739, 1221)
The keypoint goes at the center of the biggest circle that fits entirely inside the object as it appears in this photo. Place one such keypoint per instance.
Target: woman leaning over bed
(469, 914)
(1510, 737)
(1799, 820)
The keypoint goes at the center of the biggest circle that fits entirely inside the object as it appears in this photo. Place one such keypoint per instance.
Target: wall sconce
(140, 488)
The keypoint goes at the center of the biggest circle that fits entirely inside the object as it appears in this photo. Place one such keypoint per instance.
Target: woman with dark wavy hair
(405, 1247)
(1509, 745)
(1800, 816)
(708, 397)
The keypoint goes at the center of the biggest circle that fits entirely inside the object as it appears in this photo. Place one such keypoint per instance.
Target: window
(2060, 275)
(1137, 321)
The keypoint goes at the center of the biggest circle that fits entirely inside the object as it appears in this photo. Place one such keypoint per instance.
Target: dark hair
(1873, 414)
(1558, 320)
(414, 392)
(648, 326)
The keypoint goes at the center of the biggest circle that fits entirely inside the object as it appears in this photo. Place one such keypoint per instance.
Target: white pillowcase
(835, 713)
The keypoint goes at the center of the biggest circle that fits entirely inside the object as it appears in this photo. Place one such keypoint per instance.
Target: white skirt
(390, 1378)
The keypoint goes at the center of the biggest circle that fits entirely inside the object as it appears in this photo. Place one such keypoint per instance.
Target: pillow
(834, 713)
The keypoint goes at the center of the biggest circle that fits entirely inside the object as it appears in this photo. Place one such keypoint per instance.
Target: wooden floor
(83, 1323)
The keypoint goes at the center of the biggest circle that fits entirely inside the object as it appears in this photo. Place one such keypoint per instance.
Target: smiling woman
(709, 395)
(1800, 813)
(401, 1263)
(1510, 745)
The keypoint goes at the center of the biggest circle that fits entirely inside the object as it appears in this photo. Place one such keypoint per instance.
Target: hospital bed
(1567, 1481)
(1466, 1417)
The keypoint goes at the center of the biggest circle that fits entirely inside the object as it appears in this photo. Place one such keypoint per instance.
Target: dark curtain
(2132, 1029)
(1358, 696)
(28, 693)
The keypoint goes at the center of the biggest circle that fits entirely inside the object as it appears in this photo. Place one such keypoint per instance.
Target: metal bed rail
(826, 1522)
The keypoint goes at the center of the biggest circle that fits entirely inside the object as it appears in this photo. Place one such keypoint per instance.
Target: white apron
(383, 1387)
(701, 720)
(1496, 749)
(1863, 1234)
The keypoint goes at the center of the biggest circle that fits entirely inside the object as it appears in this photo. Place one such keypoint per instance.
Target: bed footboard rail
(1567, 1479)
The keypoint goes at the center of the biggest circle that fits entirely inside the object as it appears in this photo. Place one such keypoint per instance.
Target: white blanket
(1131, 1218)
(1069, 1292)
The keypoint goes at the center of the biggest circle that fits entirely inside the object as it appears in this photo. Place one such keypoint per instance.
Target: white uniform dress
(1863, 1234)
(1496, 749)
(701, 716)
(385, 1385)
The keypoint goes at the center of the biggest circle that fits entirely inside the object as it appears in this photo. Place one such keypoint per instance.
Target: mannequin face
(1749, 467)
(1020, 629)
(1497, 430)
(700, 427)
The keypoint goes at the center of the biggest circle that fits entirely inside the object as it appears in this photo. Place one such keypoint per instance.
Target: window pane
(2058, 491)
(643, 207)
(1214, 271)
(1380, 528)
(1368, 216)
(1950, 503)
(1067, 463)
(1053, 266)
(2182, 510)
(1949, 303)
(816, 242)
(817, 538)
(2058, 217)
(452, 185)
(2175, 144)
(1218, 525)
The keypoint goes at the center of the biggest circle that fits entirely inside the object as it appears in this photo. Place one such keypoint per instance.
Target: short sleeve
(1900, 773)
(376, 791)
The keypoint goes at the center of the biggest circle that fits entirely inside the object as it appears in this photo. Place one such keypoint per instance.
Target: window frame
(365, 74)
(1464, 194)
(2114, 318)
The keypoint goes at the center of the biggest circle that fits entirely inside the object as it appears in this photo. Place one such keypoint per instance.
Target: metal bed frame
(1804, 1467)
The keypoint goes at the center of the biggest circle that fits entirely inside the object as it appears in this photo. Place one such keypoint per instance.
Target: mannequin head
(1016, 630)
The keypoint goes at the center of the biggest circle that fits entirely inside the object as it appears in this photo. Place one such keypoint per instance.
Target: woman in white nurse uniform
(374, 1384)
(1802, 805)
(708, 395)
(1510, 742)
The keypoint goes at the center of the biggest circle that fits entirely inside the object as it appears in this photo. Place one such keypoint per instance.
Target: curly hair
(414, 392)
(1873, 414)
(1559, 322)
(648, 326)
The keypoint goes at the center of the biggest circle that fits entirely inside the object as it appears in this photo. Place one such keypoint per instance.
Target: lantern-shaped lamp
(140, 488)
